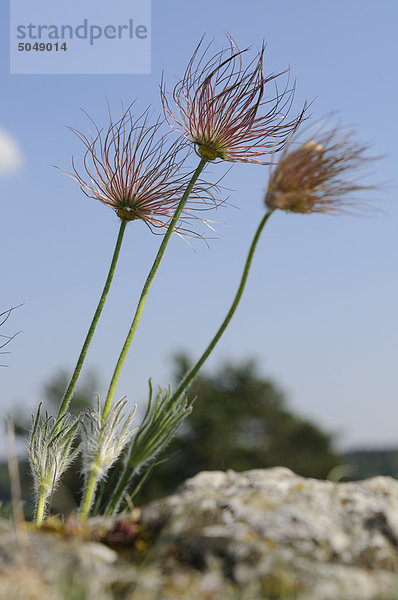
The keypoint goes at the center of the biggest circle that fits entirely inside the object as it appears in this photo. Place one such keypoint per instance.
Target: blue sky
(320, 309)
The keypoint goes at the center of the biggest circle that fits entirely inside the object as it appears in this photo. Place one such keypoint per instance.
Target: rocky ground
(266, 534)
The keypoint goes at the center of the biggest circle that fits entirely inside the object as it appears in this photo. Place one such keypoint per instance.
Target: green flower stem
(88, 495)
(145, 291)
(193, 372)
(97, 314)
(41, 504)
(130, 468)
(125, 479)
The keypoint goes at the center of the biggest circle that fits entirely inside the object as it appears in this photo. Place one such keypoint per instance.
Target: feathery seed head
(319, 176)
(221, 107)
(136, 171)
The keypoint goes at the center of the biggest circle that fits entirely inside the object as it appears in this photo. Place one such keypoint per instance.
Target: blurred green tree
(239, 421)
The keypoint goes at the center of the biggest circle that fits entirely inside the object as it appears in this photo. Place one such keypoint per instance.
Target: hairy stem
(125, 479)
(130, 468)
(97, 314)
(88, 495)
(193, 372)
(41, 505)
(145, 291)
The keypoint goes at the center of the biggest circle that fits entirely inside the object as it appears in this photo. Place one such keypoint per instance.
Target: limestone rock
(271, 533)
(263, 534)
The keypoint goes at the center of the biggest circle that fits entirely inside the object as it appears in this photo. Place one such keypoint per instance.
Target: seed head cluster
(135, 170)
(221, 106)
(320, 175)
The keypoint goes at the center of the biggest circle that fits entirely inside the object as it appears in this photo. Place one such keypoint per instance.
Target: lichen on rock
(262, 534)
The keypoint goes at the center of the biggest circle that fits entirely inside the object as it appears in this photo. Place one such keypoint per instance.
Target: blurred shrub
(240, 421)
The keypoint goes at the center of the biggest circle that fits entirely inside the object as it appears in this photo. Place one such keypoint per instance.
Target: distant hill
(369, 463)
